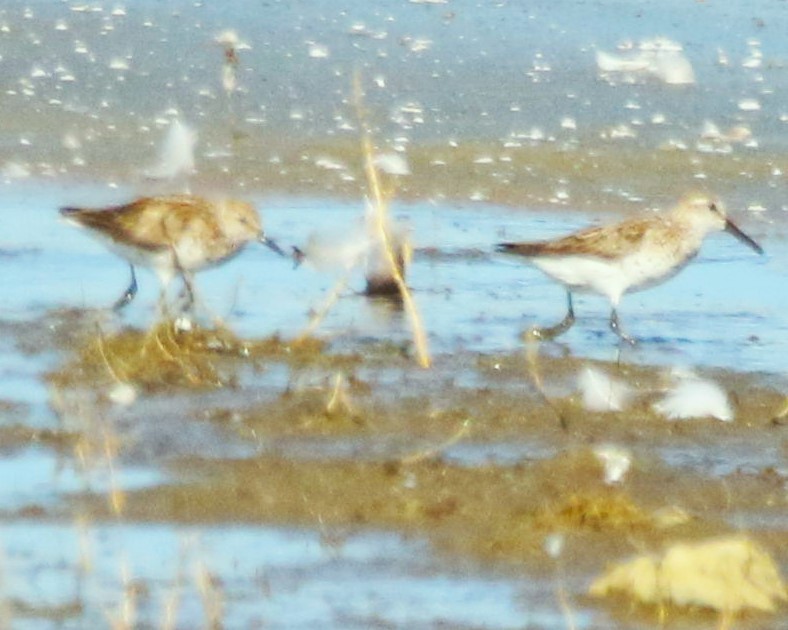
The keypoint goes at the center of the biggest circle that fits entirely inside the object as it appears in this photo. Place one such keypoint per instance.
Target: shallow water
(510, 132)
(277, 578)
(722, 311)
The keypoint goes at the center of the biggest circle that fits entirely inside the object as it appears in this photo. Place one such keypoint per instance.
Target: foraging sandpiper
(629, 256)
(173, 235)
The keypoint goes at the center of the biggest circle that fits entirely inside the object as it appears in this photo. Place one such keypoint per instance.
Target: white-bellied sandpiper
(629, 256)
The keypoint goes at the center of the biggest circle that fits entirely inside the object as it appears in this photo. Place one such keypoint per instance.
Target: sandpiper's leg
(188, 291)
(165, 277)
(128, 294)
(163, 307)
(615, 326)
(188, 283)
(551, 332)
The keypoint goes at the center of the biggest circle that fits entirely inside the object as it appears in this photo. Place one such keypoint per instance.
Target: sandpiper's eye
(713, 207)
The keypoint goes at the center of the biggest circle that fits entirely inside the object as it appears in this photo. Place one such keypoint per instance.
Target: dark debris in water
(19, 435)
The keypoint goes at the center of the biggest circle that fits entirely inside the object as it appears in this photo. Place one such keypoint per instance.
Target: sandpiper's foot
(615, 326)
(188, 297)
(546, 333)
(551, 332)
(128, 294)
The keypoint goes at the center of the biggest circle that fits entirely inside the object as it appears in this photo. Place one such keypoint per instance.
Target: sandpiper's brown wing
(608, 242)
(150, 223)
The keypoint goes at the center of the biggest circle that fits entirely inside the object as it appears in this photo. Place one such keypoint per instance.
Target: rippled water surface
(721, 311)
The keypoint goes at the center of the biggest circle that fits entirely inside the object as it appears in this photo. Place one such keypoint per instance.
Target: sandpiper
(173, 235)
(629, 256)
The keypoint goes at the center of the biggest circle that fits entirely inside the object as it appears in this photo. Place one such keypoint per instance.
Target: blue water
(724, 310)
(273, 578)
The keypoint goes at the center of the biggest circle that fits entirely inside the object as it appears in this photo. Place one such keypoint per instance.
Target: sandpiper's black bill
(732, 228)
(272, 245)
(298, 257)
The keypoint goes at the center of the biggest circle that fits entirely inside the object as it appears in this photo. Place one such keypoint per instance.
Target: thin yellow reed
(380, 206)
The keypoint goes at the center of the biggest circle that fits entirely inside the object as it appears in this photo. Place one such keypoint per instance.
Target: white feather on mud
(616, 461)
(694, 397)
(360, 245)
(600, 392)
(330, 251)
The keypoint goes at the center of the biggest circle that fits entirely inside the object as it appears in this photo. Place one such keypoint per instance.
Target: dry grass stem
(566, 608)
(117, 497)
(125, 619)
(783, 413)
(159, 358)
(531, 340)
(6, 612)
(172, 599)
(102, 353)
(432, 451)
(211, 595)
(339, 398)
(380, 207)
(85, 562)
(320, 314)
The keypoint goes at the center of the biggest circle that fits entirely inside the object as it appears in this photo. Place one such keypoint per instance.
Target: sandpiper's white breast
(656, 258)
(586, 274)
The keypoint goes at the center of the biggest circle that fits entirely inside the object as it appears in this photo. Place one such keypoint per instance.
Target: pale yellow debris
(729, 574)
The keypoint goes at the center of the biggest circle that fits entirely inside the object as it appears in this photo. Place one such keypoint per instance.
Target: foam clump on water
(694, 397)
(729, 574)
(658, 58)
(229, 37)
(14, 170)
(392, 164)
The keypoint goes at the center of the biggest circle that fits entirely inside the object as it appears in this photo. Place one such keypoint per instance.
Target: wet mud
(473, 455)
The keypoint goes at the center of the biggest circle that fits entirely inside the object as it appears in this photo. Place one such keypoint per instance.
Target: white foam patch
(392, 163)
(15, 170)
(660, 58)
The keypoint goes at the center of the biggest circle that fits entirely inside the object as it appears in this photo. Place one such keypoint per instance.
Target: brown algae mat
(406, 429)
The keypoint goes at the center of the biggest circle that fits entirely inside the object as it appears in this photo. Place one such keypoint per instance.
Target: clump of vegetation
(594, 512)
(168, 356)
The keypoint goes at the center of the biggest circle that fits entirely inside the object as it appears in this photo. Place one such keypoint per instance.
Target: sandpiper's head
(241, 223)
(708, 215)
(239, 220)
